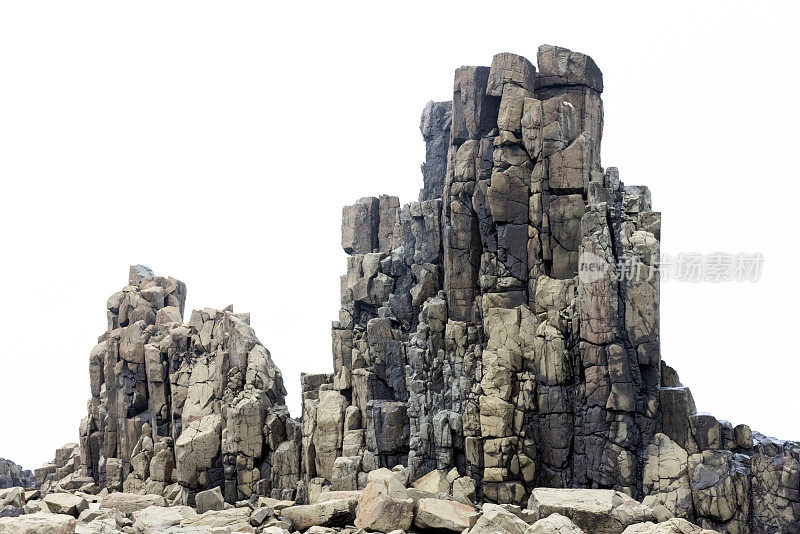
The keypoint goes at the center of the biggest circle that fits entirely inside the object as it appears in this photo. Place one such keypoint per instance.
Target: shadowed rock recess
(469, 358)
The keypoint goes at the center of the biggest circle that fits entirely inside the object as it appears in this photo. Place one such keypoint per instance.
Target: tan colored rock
(65, 503)
(440, 514)
(670, 526)
(197, 447)
(434, 482)
(554, 524)
(158, 517)
(233, 518)
(275, 504)
(327, 514)
(384, 504)
(666, 480)
(496, 519)
(128, 503)
(464, 490)
(38, 523)
(596, 511)
(329, 431)
(16, 497)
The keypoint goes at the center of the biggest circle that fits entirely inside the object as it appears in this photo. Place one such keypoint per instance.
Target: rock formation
(498, 342)
(198, 403)
(12, 475)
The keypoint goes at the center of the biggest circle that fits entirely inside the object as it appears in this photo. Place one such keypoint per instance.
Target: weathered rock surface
(497, 342)
(12, 475)
(597, 511)
(38, 523)
(384, 505)
(442, 514)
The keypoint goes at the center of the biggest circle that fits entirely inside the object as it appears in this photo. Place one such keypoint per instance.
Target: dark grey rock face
(12, 475)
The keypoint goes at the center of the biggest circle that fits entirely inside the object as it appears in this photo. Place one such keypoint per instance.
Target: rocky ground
(437, 502)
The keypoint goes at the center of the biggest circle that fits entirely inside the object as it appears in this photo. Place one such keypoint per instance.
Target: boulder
(65, 503)
(38, 523)
(158, 517)
(209, 500)
(259, 515)
(675, 525)
(440, 514)
(496, 519)
(332, 513)
(233, 518)
(384, 505)
(13, 497)
(128, 503)
(554, 524)
(596, 511)
(434, 482)
(464, 490)
(104, 525)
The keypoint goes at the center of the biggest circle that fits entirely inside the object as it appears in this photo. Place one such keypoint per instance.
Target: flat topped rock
(154, 517)
(671, 526)
(332, 513)
(128, 503)
(593, 510)
(233, 517)
(66, 503)
(561, 66)
(440, 514)
(38, 522)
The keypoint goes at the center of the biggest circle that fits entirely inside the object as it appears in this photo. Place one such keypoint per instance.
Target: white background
(217, 142)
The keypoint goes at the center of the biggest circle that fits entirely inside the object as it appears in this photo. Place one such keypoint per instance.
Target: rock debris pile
(493, 370)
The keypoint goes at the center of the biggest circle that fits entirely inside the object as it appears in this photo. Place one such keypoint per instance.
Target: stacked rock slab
(200, 404)
(507, 323)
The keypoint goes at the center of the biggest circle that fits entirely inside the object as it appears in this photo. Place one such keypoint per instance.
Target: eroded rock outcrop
(499, 335)
(507, 323)
(200, 403)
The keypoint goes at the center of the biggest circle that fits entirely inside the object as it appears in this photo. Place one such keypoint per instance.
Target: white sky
(217, 142)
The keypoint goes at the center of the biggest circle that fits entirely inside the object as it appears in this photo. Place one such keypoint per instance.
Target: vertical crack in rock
(485, 333)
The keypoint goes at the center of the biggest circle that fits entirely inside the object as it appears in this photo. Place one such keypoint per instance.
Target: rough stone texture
(336, 512)
(503, 330)
(554, 524)
(441, 514)
(199, 403)
(671, 526)
(65, 503)
(38, 523)
(12, 475)
(128, 503)
(208, 500)
(596, 511)
(510, 366)
(384, 505)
